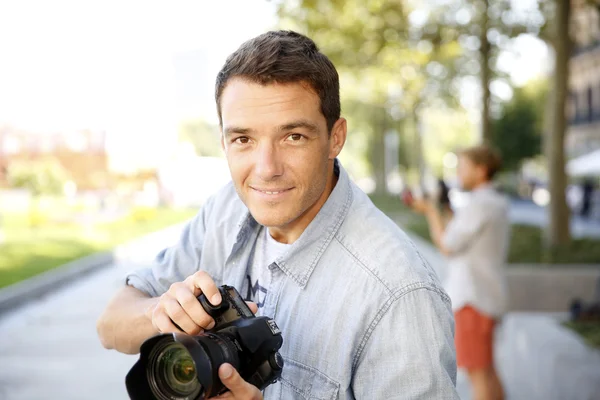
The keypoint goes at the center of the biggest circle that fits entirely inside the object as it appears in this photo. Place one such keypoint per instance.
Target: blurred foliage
(39, 177)
(445, 131)
(589, 331)
(142, 213)
(519, 130)
(203, 136)
(527, 246)
(484, 29)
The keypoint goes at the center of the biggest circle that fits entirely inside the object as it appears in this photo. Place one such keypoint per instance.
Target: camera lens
(172, 372)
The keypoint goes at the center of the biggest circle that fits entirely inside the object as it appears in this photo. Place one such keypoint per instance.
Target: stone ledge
(550, 288)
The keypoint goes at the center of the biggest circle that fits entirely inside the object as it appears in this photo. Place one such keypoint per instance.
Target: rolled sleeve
(410, 353)
(175, 263)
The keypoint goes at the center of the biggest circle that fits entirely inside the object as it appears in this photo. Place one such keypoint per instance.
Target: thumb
(234, 382)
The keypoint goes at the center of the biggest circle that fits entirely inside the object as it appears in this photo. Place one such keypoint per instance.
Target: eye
(241, 140)
(295, 137)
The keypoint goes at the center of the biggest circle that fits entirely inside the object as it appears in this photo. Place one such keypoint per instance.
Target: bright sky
(131, 67)
(110, 64)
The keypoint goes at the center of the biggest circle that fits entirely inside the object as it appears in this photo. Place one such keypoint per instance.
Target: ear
(337, 138)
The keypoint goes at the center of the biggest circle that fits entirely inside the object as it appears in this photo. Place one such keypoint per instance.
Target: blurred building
(82, 153)
(583, 107)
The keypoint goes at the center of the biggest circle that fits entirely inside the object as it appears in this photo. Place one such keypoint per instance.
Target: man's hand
(239, 389)
(179, 305)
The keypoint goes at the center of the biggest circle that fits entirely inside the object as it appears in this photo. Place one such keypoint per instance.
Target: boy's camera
(178, 366)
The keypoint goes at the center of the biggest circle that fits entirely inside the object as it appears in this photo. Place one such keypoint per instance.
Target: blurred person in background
(587, 195)
(476, 242)
(362, 316)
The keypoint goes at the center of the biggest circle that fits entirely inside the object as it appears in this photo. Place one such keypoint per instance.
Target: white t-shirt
(258, 276)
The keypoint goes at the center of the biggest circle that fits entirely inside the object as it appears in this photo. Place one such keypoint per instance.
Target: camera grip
(212, 310)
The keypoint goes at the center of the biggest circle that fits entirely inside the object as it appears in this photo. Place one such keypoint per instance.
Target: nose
(268, 163)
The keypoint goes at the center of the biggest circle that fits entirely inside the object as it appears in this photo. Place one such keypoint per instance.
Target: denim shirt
(362, 313)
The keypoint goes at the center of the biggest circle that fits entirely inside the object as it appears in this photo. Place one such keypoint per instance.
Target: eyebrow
(230, 130)
(301, 123)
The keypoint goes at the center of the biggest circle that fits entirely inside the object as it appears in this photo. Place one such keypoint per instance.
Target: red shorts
(474, 339)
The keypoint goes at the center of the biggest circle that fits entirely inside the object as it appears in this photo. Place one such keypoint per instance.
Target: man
(362, 315)
(476, 243)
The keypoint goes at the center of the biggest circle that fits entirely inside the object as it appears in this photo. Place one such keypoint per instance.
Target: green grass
(589, 330)
(28, 251)
(526, 244)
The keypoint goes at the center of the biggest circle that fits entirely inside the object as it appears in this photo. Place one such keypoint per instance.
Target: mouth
(271, 192)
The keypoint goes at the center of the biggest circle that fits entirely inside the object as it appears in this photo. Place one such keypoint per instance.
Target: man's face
(278, 149)
(467, 172)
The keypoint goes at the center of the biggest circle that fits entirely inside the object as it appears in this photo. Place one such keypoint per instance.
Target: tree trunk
(484, 53)
(558, 211)
(378, 151)
(420, 157)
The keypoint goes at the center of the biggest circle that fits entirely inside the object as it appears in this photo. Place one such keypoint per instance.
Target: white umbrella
(588, 164)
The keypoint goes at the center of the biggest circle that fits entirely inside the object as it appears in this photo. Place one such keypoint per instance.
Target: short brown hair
(484, 155)
(284, 57)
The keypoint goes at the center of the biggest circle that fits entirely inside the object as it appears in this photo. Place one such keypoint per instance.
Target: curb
(23, 292)
(20, 293)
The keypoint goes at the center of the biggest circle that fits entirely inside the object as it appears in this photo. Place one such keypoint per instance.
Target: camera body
(184, 367)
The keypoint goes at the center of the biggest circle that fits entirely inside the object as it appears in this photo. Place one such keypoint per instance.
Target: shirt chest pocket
(299, 381)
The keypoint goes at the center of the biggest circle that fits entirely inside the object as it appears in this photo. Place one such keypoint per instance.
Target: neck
(290, 232)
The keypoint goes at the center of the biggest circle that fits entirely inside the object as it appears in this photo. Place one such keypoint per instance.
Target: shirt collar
(304, 254)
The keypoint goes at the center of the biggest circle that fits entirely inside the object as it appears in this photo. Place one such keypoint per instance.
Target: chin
(269, 220)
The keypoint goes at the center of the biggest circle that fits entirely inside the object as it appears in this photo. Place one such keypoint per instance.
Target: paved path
(49, 348)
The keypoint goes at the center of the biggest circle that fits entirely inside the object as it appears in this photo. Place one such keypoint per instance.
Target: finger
(178, 315)
(162, 323)
(239, 388)
(206, 284)
(193, 308)
(253, 307)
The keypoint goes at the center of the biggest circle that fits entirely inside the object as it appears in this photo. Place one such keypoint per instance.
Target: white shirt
(478, 239)
(258, 276)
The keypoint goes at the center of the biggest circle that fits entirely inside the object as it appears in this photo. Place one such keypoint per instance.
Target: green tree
(203, 136)
(484, 28)
(518, 132)
(43, 177)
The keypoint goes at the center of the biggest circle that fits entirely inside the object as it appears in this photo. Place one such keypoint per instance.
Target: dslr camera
(177, 366)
